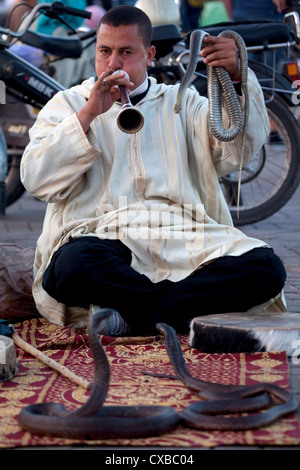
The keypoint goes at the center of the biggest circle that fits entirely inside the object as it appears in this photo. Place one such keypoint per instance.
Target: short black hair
(128, 15)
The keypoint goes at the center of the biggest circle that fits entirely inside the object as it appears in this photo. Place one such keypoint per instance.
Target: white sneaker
(114, 325)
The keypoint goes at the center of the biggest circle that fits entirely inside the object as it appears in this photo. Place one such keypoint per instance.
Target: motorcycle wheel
(13, 186)
(15, 120)
(272, 176)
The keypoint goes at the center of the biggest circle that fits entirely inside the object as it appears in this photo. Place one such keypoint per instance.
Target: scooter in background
(27, 88)
(271, 177)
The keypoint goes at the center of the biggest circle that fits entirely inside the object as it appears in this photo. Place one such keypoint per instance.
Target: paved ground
(22, 225)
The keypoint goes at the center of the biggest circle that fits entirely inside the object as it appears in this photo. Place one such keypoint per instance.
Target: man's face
(121, 48)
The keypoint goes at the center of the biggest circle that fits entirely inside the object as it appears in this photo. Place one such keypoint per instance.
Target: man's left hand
(222, 52)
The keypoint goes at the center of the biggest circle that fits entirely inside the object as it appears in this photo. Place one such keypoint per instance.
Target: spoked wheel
(272, 176)
(270, 179)
(15, 120)
(13, 184)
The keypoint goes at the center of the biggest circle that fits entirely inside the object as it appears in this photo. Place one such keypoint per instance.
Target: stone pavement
(23, 221)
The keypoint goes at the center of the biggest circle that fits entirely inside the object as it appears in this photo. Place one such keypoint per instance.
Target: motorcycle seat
(164, 37)
(166, 32)
(63, 47)
(255, 34)
(262, 32)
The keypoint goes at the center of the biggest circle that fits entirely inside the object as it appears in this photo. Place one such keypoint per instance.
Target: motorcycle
(273, 174)
(271, 177)
(27, 87)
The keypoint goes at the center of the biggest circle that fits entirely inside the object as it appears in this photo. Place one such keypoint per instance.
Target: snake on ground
(224, 399)
(93, 420)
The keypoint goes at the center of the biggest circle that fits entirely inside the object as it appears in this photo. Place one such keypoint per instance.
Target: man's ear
(151, 51)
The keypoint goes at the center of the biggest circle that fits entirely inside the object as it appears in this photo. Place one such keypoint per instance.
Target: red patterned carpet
(128, 357)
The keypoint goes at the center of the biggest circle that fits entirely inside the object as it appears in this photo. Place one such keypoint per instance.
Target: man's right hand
(103, 95)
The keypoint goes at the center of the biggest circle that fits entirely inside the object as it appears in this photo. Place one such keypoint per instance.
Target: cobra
(221, 399)
(219, 85)
(93, 420)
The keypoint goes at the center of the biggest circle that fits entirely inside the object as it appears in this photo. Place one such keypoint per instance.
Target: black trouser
(88, 271)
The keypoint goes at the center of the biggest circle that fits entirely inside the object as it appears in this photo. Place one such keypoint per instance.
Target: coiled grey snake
(220, 84)
(95, 421)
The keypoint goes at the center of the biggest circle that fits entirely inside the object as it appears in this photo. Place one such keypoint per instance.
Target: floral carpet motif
(128, 358)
